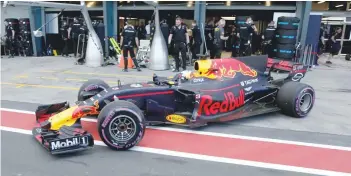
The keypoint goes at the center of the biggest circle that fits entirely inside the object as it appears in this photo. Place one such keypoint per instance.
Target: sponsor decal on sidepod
(230, 103)
(176, 118)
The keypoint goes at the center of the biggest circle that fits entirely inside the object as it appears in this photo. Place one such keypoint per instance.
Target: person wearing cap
(129, 39)
(219, 38)
(181, 40)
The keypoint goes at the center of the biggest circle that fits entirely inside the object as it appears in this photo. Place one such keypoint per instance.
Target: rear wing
(296, 70)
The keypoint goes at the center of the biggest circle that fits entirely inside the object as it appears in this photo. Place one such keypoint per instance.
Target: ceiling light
(155, 1)
(268, 3)
(339, 5)
(321, 2)
(228, 18)
(90, 4)
(228, 3)
(190, 3)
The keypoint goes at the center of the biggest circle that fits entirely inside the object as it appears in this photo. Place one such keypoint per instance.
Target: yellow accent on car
(174, 118)
(63, 118)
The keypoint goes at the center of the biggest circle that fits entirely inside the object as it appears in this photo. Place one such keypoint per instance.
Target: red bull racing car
(217, 90)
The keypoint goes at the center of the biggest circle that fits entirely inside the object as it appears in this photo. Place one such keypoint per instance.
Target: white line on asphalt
(211, 158)
(220, 134)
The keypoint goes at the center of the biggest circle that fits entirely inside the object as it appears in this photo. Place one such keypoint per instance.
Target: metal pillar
(35, 16)
(200, 17)
(109, 8)
(303, 12)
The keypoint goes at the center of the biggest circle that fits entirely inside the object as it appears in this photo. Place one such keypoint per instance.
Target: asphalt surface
(17, 161)
(27, 82)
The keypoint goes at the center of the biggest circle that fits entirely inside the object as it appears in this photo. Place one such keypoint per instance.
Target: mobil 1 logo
(68, 142)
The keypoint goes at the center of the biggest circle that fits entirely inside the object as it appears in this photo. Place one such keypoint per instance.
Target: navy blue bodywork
(199, 99)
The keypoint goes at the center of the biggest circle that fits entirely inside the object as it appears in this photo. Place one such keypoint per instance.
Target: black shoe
(138, 69)
(125, 70)
(176, 70)
(328, 62)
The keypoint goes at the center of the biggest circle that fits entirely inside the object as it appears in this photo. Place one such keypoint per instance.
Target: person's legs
(65, 48)
(125, 57)
(75, 42)
(183, 52)
(132, 55)
(176, 56)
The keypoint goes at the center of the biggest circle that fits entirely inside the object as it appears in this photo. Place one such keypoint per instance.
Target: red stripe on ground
(268, 152)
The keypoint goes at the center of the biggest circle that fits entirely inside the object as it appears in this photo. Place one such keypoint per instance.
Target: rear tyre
(296, 99)
(121, 125)
(91, 88)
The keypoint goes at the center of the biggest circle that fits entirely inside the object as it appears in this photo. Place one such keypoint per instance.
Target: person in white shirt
(148, 30)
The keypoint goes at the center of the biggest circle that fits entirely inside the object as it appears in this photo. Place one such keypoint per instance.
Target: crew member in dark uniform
(219, 38)
(235, 42)
(195, 40)
(245, 35)
(129, 39)
(141, 32)
(335, 44)
(74, 32)
(65, 36)
(181, 39)
(209, 37)
(10, 38)
(83, 31)
(267, 38)
(165, 30)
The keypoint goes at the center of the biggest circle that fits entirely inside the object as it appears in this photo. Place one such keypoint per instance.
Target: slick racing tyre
(290, 23)
(284, 51)
(296, 99)
(121, 125)
(91, 88)
(286, 36)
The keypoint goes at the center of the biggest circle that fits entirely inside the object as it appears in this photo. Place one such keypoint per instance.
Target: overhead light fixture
(190, 4)
(91, 4)
(320, 2)
(339, 5)
(155, 1)
(228, 3)
(268, 3)
(228, 18)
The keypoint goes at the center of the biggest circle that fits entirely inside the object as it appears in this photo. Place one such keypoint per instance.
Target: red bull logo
(230, 102)
(230, 67)
(82, 111)
(219, 68)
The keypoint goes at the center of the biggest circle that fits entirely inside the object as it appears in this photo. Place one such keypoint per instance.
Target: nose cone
(159, 51)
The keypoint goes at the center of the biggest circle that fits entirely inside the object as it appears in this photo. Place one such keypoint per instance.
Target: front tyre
(296, 99)
(121, 125)
(91, 88)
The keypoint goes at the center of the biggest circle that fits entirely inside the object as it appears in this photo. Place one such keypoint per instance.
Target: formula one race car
(217, 90)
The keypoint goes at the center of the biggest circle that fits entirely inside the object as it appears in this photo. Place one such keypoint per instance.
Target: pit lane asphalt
(22, 156)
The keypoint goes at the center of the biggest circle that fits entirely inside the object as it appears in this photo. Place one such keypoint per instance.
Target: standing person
(129, 39)
(267, 38)
(65, 36)
(148, 30)
(196, 40)
(235, 42)
(141, 32)
(335, 45)
(181, 40)
(165, 30)
(10, 38)
(245, 34)
(321, 44)
(209, 29)
(73, 33)
(83, 31)
(219, 38)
